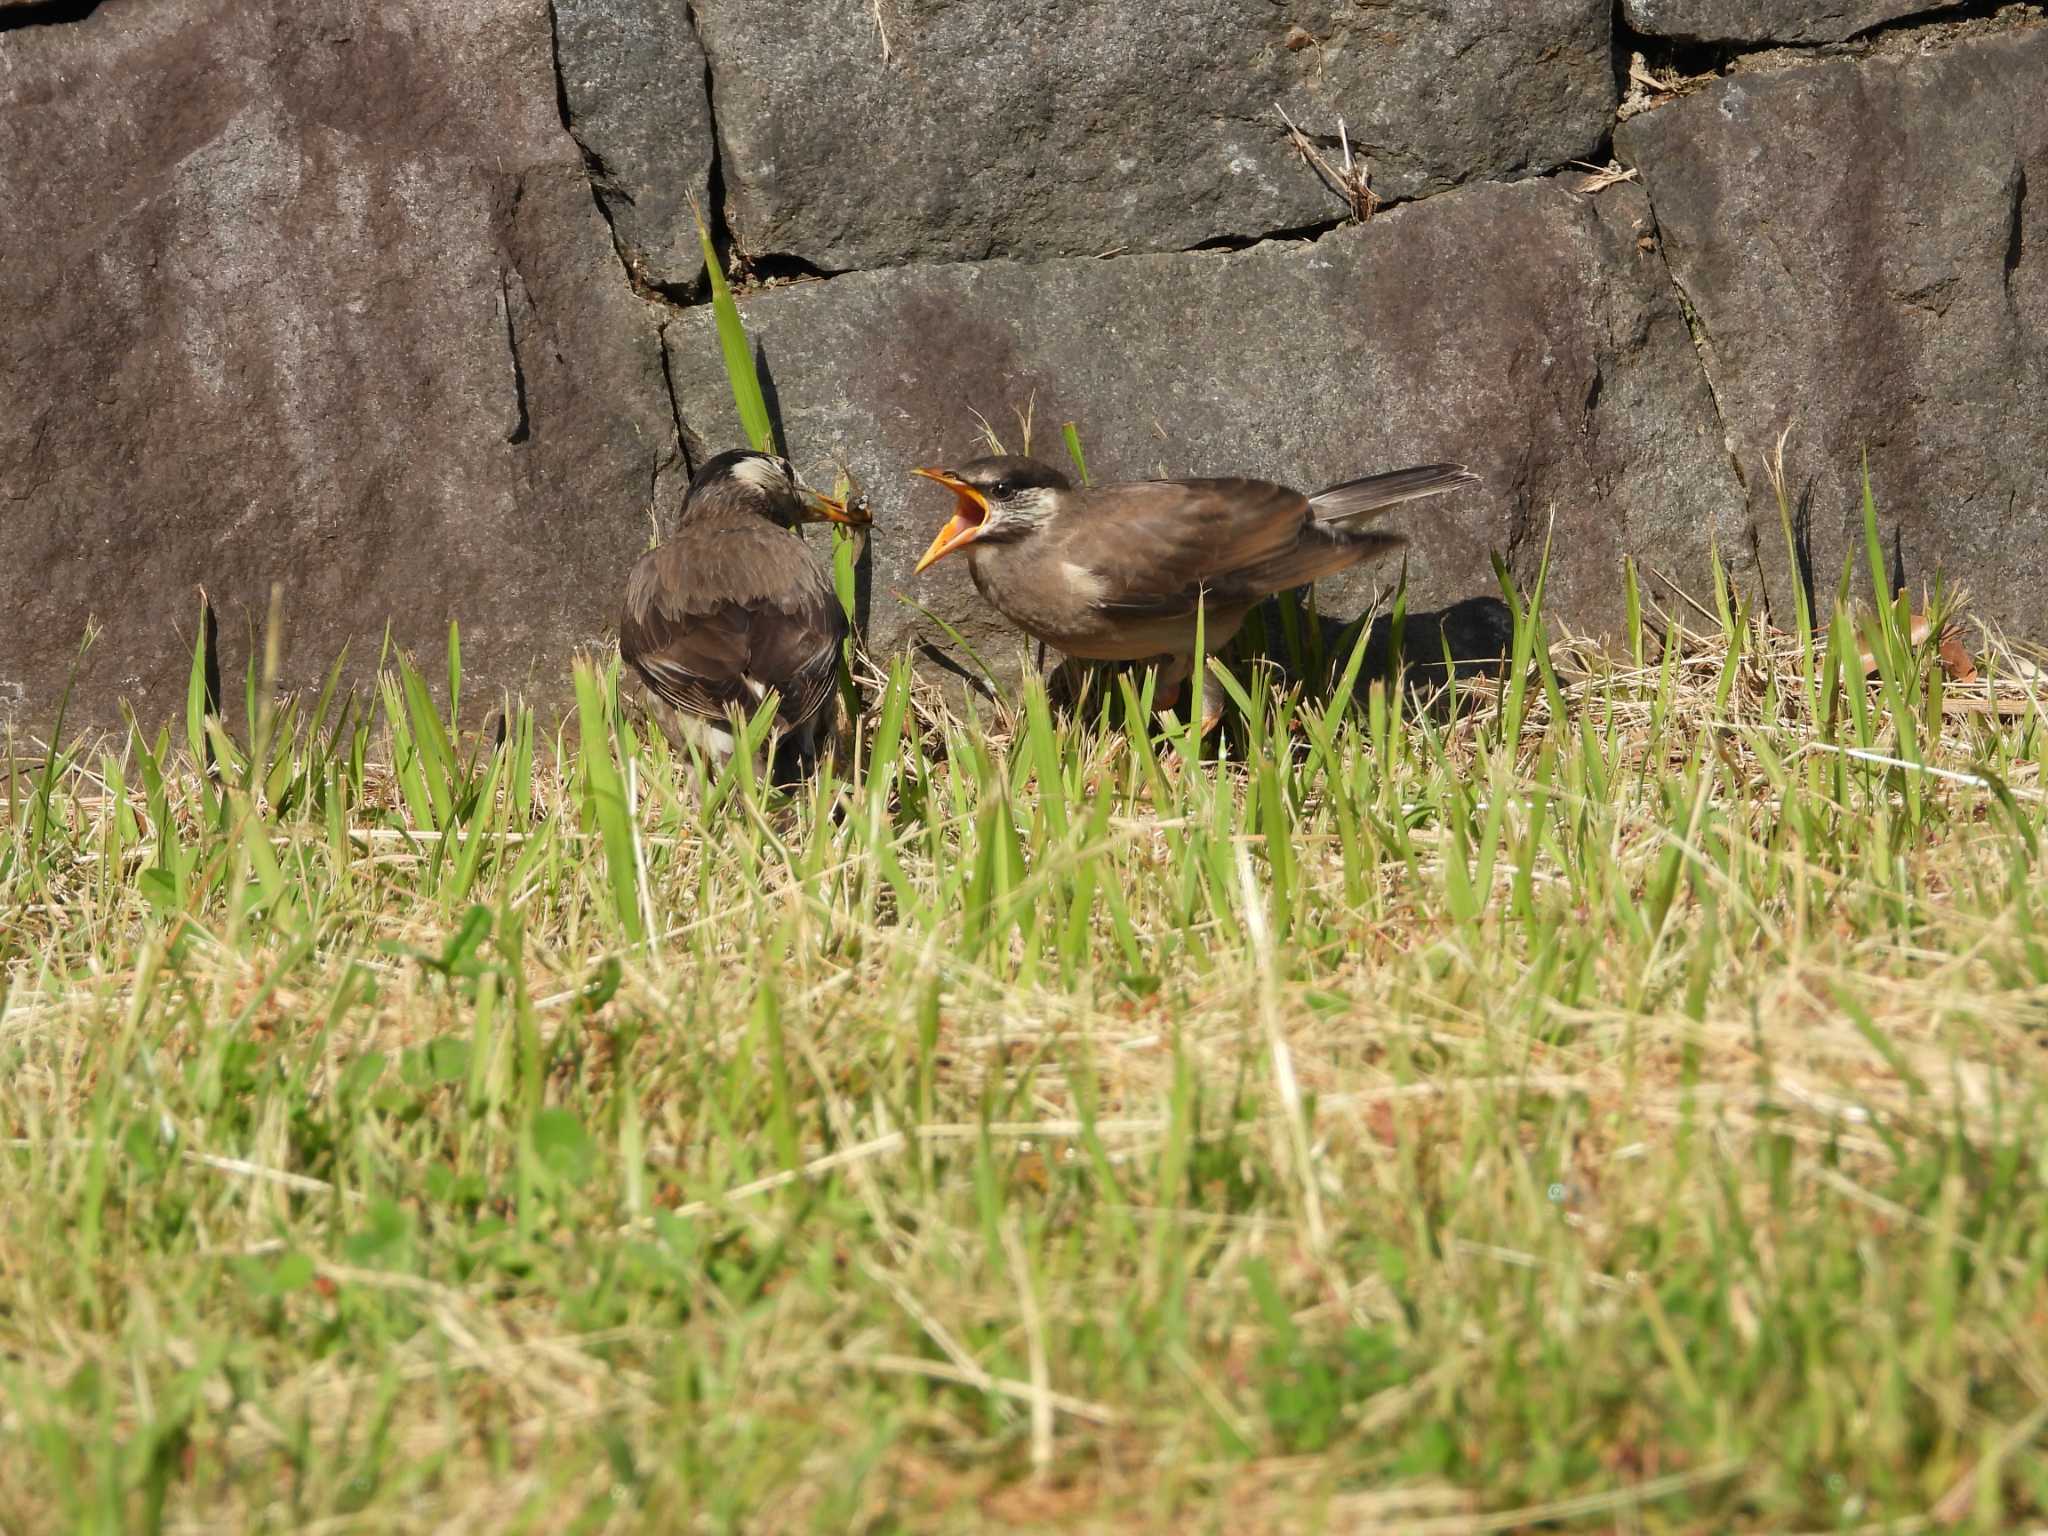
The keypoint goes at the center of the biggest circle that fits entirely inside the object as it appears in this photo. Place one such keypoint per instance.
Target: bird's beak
(970, 516)
(818, 507)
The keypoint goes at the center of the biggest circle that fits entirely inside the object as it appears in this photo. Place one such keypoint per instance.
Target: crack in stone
(780, 267)
(1949, 16)
(1693, 54)
(1309, 232)
(675, 404)
(523, 423)
(723, 241)
(667, 296)
(2015, 240)
(593, 167)
(776, 268)
(598, 175)
(1947, 26)
(1702, 345)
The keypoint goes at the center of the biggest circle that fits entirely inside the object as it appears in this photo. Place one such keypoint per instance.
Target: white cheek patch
(769, 475)
(1023, 509)
(1035, 506)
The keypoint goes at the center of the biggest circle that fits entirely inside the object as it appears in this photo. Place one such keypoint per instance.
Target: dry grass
(1612, 1103)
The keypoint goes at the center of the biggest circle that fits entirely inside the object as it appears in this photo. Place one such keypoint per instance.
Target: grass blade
(747, 397)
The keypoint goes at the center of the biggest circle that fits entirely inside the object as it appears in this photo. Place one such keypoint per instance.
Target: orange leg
(1173, 677)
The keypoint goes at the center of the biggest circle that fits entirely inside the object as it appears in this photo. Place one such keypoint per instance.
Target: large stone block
(1521, 329)
(1859, 241)
(1033, 128)
(313, 294)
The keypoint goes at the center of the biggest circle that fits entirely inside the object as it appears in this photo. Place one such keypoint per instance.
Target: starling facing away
(733, 607)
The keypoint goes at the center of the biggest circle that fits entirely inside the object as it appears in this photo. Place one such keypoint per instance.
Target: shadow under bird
(1118, 572)
(733, 607)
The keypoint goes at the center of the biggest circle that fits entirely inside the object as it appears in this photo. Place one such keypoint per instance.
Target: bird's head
(765, 485)
(994, 499)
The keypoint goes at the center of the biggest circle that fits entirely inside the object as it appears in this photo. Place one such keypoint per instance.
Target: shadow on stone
(209, 667)
(1802, 547)
(974, 682)
(770, 395)
(45, 13)
(1471, 638)
(863, 584)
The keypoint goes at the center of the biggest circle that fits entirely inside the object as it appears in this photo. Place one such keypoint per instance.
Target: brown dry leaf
(1955, 656)
(1381, 1125)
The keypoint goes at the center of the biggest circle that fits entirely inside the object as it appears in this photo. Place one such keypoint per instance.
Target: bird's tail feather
(1356, 500)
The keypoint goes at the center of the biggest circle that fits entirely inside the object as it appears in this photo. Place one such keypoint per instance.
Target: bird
(732, 607)
(1119, 572)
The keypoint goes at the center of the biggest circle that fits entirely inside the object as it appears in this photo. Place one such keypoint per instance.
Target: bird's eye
(1002, 488)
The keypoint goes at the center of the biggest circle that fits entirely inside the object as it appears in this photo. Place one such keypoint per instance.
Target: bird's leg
(795, 753)
(1173, 676)
(1173, 673)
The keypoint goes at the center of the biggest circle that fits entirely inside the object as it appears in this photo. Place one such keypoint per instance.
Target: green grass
(1615, 1101)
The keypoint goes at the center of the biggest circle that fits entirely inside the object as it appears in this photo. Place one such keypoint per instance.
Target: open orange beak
(818, 507)
(970, 516)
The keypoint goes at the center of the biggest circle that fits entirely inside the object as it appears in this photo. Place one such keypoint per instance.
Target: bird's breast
(1018, 583)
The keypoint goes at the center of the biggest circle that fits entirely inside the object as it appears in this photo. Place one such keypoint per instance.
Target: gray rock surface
(1033, 128)
(1520, 329)
(633, 85)
(1863, 241)
(319, 294)
(310, 294)
(1770, 21)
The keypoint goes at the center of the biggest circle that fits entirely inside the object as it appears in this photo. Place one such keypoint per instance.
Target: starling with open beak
(1118, 572)
(732, 607)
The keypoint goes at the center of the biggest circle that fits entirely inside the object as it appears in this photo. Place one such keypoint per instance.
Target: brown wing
(718, 616)
(1157, 546)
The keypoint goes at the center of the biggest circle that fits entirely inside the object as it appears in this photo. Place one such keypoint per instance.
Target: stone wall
(396, 303)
